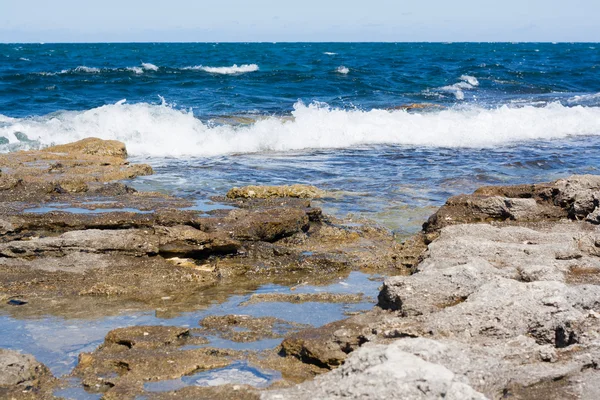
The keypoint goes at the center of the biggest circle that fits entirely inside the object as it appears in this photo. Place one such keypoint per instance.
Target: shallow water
(240, 373)
(57, 341)
(398, 186)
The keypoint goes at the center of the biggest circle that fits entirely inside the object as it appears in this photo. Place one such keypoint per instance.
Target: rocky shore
(503, 302)
(75, 244)
(497, 297)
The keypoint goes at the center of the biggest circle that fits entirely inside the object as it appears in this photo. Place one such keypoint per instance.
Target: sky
(298, 20)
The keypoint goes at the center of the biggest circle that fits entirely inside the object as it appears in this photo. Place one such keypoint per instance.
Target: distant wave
(82, 69)
(149, 67)
(161, 130)
(144, 67)
(135, 70)
(466, 82)
(233, 70)
(328, 53)
(342, 70)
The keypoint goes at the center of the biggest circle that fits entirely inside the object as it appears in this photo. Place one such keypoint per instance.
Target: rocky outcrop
(62, 231)
(71, 168)
(385, 372)
(22, 376)
(267, 192)
(508, 307)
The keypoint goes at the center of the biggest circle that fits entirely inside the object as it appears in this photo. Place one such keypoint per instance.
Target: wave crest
(161, 130)
(233, 70)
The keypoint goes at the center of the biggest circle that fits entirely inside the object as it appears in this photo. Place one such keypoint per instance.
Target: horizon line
(312, 41)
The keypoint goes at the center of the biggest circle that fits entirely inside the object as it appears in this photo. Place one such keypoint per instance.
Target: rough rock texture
(131, 356)
(507, 307)
(78, 243)
(384, 372)
(22, 376)
(266, 192)
(74, 244)
(20, 369)
(67, 168)
(244, 328)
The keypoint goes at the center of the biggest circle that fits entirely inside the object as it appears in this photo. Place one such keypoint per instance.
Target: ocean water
(214, 115)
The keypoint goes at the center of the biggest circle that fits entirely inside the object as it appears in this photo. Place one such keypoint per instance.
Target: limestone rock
(20, 369)
(383, 372)
(266, 192)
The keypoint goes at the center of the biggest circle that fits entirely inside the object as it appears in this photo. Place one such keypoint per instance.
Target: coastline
(496, 296)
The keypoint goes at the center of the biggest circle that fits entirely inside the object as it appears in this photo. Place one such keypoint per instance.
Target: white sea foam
(24, 59)
(584, 99)
(342, 70)
(161, 130)
(234, 69)
(471, 80)
(328, 53)
(135, 70)
(83, 68)
(149, 67)
(467, 82)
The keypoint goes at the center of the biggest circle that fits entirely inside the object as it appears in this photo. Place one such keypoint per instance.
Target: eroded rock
(266, 192)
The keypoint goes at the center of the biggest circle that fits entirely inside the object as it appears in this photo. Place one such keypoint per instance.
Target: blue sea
(210, 116)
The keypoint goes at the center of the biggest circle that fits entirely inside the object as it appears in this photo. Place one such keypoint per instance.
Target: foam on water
(467, 82)
(135, 70)
(84, 69)
(161, 130)
(149, 67)
(233, 70)
(342, 70)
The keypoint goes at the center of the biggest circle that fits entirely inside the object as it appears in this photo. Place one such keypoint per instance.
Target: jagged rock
(244, 328)
(266, 225)
(148, 337)
(188, 241)
(266, 192)
(383, 372)
(328, 345)
(91, 146)
(131, 242)
(20, 369)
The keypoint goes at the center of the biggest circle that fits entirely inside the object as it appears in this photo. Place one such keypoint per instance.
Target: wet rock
(296, 298)
(70, 168)
(267, 225)
(149, 337)
(224, 392)
(131, 356)
(265, 192)
(187, 241)
(91, 146)
(244, 328)
(131, 242)
(329, 345)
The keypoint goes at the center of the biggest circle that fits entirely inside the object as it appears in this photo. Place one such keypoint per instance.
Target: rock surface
(503, 302)
(266, 192)
(75, 244)
(22, 376)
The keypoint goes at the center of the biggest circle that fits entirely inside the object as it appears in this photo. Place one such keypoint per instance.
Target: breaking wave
(160, 130)
(466, 82)
(233, 70)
